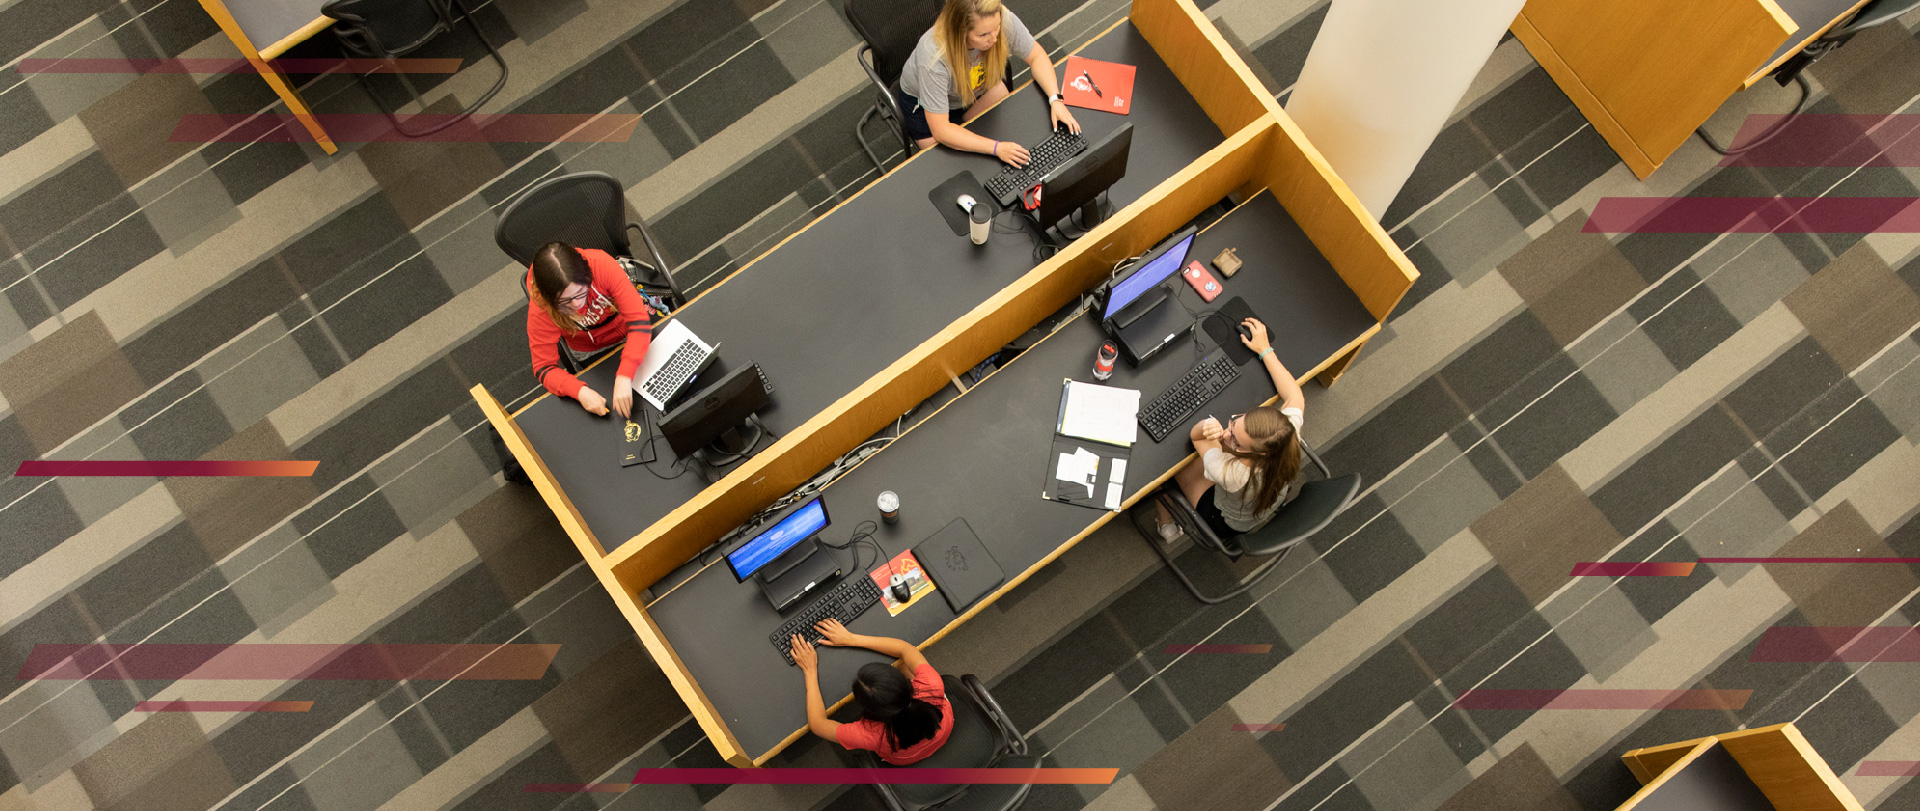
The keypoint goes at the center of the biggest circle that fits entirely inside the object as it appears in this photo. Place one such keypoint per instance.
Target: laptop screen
(1152, 273)
(797, 527)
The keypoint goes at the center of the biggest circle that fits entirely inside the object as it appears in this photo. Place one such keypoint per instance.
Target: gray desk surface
(983, 458)
(860, 288)
(1714, 781)
(269, 21)
(1811, 16)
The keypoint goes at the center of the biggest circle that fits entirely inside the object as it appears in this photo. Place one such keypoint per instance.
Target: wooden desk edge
(274, 79)
(1690, 754)
(304, 33)
(1590, 105)
(536, 469)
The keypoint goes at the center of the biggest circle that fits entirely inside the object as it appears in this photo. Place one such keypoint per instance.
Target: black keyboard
(1007, 186)
(1171, 409)
(852, 597)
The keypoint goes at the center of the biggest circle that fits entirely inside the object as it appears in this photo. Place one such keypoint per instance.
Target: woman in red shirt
(902, 720)
(584, 298)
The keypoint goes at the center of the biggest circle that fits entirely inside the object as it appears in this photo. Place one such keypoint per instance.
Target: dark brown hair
(556, 266)
(886, 696)
(1274, 456)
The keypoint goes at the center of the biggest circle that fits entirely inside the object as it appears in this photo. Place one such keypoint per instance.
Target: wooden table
(1262, 150)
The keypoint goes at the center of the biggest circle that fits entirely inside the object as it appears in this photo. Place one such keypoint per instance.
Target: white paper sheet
(1100, 413)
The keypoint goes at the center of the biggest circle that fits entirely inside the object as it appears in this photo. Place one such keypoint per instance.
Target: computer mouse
(901, 589)
(1246, 333)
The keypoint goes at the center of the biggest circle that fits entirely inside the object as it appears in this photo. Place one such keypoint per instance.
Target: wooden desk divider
(1264, 151)
(1777, 759)
(1647, 72)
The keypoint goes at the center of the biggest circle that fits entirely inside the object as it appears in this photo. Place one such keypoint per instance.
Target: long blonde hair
(1274, 457)
(957, 19)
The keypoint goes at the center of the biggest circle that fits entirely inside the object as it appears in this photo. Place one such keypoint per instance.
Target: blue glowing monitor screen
(1147, 276)
(797, 527)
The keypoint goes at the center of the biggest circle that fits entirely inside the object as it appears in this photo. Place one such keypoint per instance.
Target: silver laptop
(673, 358)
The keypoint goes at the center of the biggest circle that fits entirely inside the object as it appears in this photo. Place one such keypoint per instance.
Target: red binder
(1097, 85)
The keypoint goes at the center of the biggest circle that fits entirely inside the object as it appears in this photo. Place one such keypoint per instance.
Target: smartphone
(1203, 282)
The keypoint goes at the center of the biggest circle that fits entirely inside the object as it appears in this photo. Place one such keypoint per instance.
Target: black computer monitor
(716, 413)
(1157, 266)
(1078, 183)
(799, 526)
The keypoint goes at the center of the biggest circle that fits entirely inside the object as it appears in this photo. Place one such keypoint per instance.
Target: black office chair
(888, 30)
(1315, 506)
(585, 210)
(1878, 12)
(386, 29)
(983, 736)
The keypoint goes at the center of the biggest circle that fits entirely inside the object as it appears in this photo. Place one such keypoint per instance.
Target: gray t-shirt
(927, 73)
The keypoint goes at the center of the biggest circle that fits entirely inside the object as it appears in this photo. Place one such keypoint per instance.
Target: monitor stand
(1084, 219)
(788, 579)
(733, 445)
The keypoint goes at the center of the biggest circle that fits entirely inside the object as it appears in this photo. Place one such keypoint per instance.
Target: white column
(1382, 78)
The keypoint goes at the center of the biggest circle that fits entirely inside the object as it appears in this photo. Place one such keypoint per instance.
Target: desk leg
(284, 88)
(1339, 366)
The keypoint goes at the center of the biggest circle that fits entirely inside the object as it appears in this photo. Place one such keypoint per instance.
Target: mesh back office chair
(385, 29)
(888, 30)
(1316, 505)
(983, 736)
(585, 210)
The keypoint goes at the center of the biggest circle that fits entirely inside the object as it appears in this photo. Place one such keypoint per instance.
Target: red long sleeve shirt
(613, 308)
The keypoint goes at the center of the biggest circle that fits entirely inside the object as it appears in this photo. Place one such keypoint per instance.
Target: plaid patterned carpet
(1544, 397)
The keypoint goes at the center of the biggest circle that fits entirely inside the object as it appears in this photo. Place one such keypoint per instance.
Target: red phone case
(1203, 282)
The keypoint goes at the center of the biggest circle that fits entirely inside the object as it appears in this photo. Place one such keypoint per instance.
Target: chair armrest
(1016, 743)
(659, 260)
(1307, 451)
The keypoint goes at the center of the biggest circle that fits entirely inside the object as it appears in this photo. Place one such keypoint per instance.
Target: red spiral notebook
(1097, 85)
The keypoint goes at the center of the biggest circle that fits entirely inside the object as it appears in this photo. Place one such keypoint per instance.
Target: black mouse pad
(944, 195)
(1220, 327)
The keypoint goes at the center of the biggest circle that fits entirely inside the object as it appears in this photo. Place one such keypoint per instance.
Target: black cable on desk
(646, 425)
(862, 534)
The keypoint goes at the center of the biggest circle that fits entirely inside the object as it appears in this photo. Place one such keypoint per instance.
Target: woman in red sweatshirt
(584, 298)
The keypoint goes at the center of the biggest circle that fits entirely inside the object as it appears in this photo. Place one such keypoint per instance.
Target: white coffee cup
(980, 223)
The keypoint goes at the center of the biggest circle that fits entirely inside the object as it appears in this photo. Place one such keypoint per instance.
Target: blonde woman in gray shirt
(957, 70)
(1247, 466)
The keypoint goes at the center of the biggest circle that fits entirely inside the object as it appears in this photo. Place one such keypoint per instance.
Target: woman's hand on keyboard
(1012, 154)
(804, 656)
(835, 634)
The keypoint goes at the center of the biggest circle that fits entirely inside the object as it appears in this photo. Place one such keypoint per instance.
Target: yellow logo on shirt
(979, 73)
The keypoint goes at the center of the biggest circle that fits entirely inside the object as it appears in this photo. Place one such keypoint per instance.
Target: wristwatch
(1058, 97)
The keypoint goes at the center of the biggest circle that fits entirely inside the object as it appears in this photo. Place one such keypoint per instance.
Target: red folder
(1097, 85)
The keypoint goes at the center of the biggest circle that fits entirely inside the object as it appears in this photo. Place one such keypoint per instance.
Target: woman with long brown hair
(584, 298)
(957, 70)
(1247, 466)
